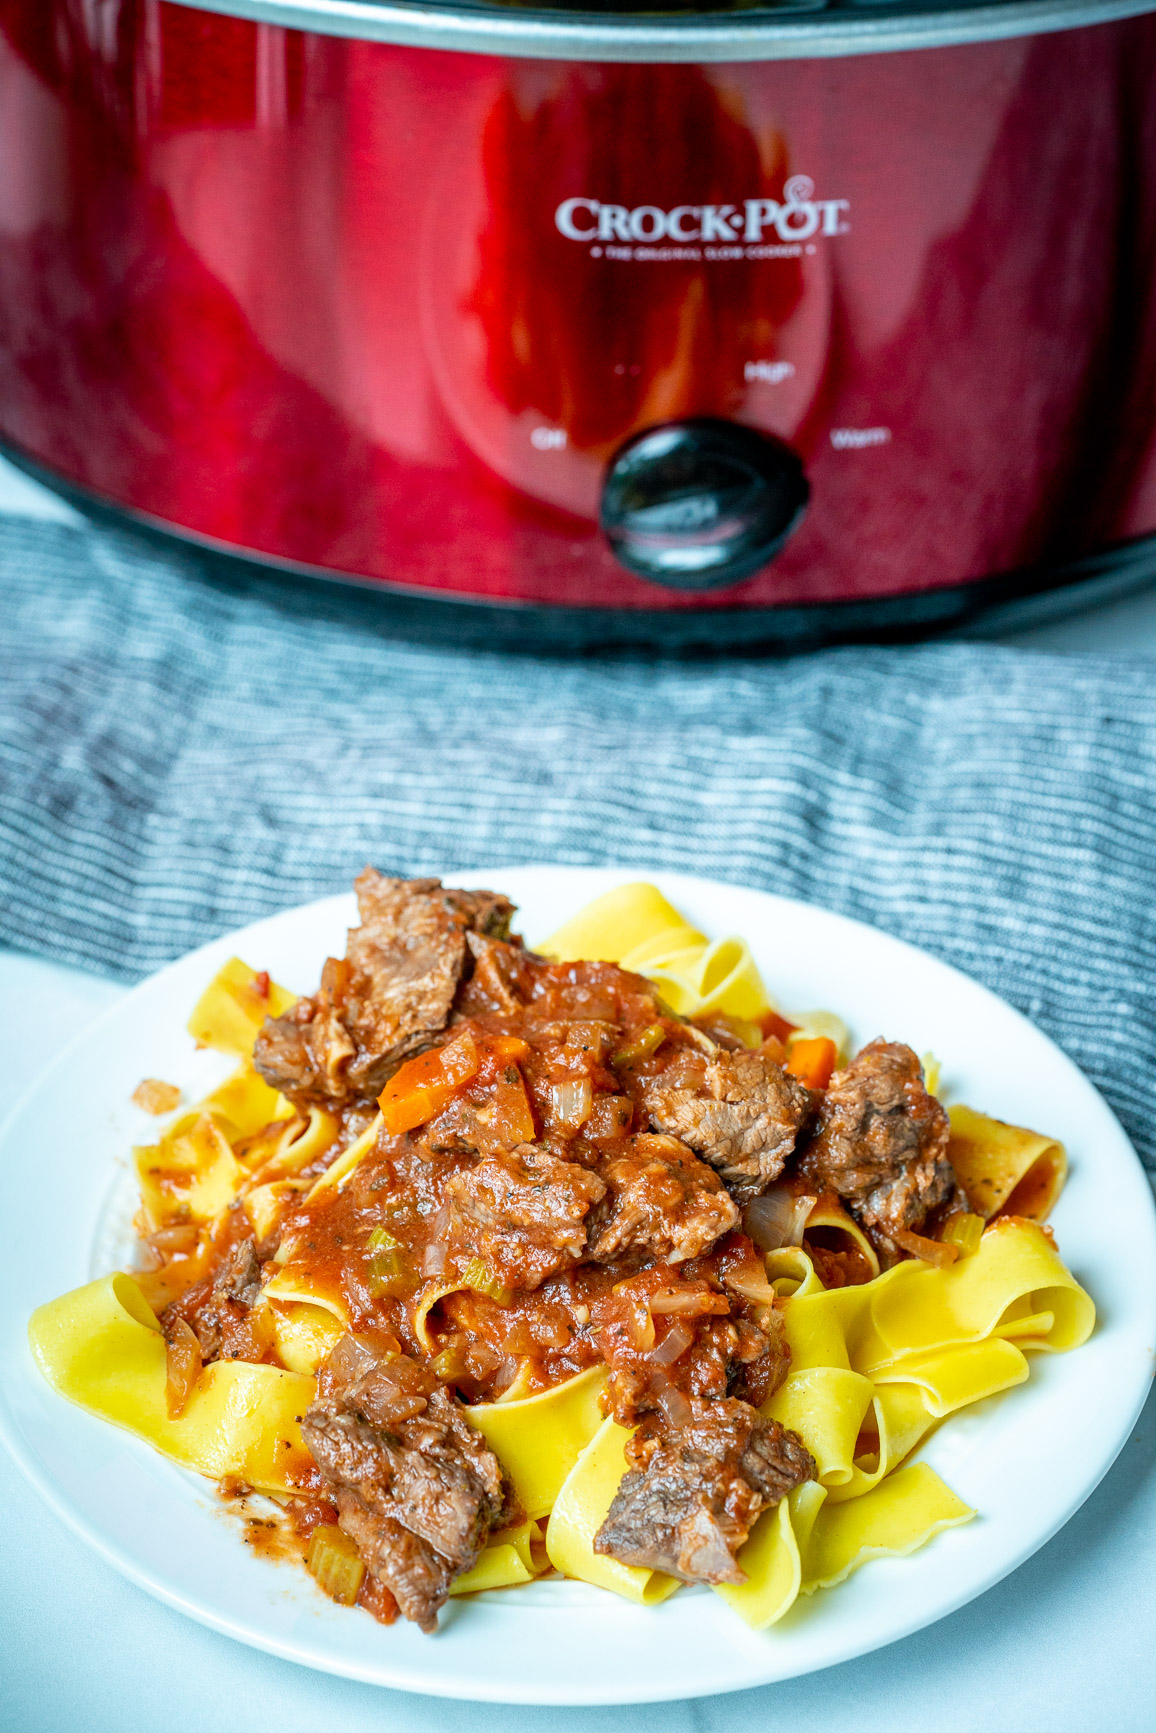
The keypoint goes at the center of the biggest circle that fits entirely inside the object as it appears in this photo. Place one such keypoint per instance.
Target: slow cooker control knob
(698, 504)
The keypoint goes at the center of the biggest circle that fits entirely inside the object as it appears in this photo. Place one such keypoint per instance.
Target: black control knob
(698, 504)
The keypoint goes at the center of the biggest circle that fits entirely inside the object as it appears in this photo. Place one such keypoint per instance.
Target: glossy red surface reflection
(387, 311)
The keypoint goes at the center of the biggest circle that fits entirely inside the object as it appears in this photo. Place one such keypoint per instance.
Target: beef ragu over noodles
(542, 1223)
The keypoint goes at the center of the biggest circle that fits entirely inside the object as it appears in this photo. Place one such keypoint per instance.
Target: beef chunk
(739, 1111)
(524, 1214)
(727, 1357)
(392, 991)
(415, 1485)
(239, 1277)
(881, 1142)
(217, 1309)
(691, 1499)
(499, 980)
(661, 1199)
(417, 1576)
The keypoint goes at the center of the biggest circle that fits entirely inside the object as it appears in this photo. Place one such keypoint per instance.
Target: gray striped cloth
(179, 755)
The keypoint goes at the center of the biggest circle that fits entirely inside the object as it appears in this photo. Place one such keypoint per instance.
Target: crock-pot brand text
(798, 216)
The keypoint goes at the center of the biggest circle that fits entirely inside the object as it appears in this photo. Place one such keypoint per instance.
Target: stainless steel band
(657, 37)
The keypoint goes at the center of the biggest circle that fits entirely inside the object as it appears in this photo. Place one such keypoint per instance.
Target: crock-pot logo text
(798, 216)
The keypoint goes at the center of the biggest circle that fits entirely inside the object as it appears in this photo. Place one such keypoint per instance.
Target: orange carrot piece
(423, 1086)
(813, 1061)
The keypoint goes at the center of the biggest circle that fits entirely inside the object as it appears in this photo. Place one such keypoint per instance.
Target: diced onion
(674, 1404)
(934, 1252)
(572, 1101)
(433, 1259)
(505, 1374)
(673, 1345)
(182, 1366)
(777, 1218)
(751, 1285)
(692, 1302)
(641, 1327)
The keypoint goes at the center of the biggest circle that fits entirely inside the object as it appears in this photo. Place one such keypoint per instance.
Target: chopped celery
(641, 1047)
(450, 1364)
(963, 1230)
(390, 1276)
(335, 1563)
(482, 1280)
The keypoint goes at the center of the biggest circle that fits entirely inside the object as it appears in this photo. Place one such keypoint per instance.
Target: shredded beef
(881, 1143)
(739, 1111)
(415, 1485)
(524, 1214)
(661, 1199)
(393, 990)
(691, 1499)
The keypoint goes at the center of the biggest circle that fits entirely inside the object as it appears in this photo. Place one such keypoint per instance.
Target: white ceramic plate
(1026, 1461)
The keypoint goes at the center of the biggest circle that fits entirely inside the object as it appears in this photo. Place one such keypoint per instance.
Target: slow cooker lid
(678, 30)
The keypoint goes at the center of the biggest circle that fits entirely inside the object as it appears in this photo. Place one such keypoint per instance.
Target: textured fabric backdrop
(179, 756)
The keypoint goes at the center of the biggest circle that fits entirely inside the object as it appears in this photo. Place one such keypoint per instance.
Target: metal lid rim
(734, 37)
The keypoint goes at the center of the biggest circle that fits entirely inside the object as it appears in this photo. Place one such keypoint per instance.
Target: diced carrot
(507, 1047)
(423, 1086)
(813, 1061)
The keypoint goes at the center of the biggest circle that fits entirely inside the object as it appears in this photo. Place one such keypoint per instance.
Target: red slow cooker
(747, 325)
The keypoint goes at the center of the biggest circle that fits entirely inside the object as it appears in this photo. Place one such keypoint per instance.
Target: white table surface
(1065, 1643)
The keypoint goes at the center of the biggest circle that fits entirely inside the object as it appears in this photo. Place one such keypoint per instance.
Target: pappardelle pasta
(485, 1263)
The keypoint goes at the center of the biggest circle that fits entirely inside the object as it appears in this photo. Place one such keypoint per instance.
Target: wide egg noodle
(1005, 1167)
(307, 1322)
(263, 1204)
(245, 1104)
(582, 1506)
(865, 1390)
(510, 1557)
(697, 980)
(636, 927)
(305, 1334)
(101, 1346)
(232, 1008)
(340, 1170)
(826, 1406)
(628, 918)
(773, 1558)
(830, 1215)
(191, 1174)
(894, 1518)
(539, 1439)
(297, 1146)
(206, 1157)
(917, 1308)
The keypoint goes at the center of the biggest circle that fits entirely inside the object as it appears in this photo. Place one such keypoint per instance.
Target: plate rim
(507, 1689)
